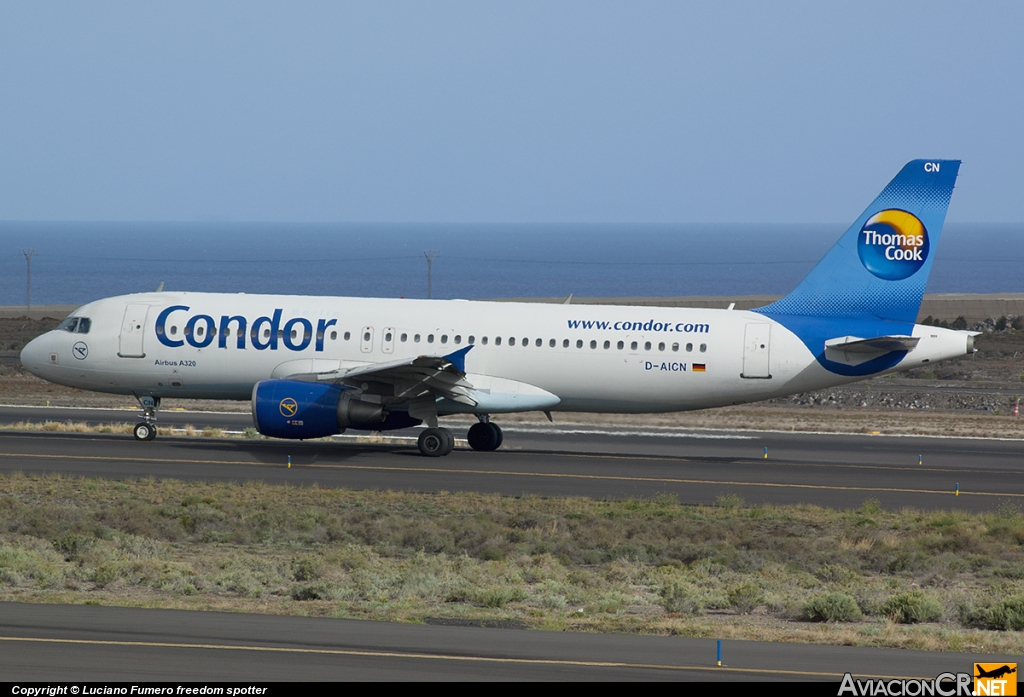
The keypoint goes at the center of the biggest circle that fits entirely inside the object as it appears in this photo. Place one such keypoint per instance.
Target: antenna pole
(28, 277)
(430, 254)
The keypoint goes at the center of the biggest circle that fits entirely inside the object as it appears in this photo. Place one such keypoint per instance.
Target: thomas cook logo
(289, 407)
(893, 244)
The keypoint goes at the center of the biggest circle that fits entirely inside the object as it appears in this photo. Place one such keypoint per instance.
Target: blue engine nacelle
(296, 409)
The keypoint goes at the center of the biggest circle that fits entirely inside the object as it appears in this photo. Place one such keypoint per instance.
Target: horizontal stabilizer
(853, 350)
(880, 344)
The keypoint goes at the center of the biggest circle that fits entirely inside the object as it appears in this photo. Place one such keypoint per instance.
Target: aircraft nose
(35, 355)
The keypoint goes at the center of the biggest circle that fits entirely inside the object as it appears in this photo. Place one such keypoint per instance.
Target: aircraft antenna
(28, 277)
(430, 254)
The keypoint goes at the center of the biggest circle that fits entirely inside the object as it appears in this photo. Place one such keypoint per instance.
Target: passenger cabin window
(539, 342)
(632, 346)
(458, 339)
(703, 348)
(416, 338)
(430, 338)
(551, 343)
(526, 342)
(403, 338)
(348, 335)
(621, 345)
(675, 347)
(497, 341)
(387, 336)
(334, 335)
(565, 343)
(661, 346)
(579, 343)
(511, 341)
(689, 347)
(471, 340)
(593, 344)
(647, 346)
(607, 344)
(444, 338)
(484, 341)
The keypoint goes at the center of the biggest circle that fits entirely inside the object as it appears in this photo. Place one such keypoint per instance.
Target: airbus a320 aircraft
(315, 366)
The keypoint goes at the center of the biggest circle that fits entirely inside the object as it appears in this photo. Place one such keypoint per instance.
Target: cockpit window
(76, 325)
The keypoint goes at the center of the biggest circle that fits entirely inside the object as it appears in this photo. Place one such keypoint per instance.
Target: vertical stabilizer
(879, 267)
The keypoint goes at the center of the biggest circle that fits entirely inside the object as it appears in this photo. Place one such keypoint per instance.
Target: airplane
(315, 366)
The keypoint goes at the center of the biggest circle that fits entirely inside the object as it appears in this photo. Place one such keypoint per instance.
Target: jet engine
(296, 409)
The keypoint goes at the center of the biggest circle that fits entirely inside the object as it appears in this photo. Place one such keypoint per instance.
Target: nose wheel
(146, 429)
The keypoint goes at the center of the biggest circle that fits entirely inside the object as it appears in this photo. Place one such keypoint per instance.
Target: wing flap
(444, 376)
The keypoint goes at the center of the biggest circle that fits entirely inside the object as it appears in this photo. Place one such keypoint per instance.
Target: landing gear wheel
(449, 438)
(435, 442)
(144, 431)
(484, 436)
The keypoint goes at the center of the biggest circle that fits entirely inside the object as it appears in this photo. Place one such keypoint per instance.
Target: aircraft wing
(444, 376)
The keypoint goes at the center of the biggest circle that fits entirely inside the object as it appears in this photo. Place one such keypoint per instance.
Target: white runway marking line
(438, 657)
(692, 431)
(555, 431)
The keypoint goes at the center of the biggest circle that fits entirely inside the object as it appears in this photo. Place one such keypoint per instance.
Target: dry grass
(655, 566)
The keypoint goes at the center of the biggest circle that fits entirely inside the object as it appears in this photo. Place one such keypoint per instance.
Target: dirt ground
(968, 396)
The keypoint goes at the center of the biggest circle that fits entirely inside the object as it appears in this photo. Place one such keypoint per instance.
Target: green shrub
(745, 597)
(499, 596)
(683, 597)
(912, 607)
(1007, 614)
(832, 607)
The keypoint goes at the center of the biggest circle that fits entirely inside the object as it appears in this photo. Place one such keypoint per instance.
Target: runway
(839, 471)
(59, 643)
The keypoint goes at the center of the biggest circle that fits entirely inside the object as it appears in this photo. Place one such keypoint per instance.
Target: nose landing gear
(146, 429)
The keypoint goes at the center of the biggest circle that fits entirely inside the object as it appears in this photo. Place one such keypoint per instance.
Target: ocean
(76, 262)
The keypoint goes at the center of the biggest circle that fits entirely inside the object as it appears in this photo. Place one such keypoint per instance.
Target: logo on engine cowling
(893, 244)
(289, 407)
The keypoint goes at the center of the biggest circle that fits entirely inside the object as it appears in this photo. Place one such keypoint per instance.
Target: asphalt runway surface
(839, 471)
(61, 643)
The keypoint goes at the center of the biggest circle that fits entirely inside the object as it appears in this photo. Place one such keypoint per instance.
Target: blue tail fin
(878, 269)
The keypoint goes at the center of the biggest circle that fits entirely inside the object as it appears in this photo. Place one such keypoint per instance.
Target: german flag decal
(699, 368)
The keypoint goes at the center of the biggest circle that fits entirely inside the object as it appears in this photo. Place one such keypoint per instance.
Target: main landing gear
(438, 442)
(484, 436)
(435, 442)
(146, 429)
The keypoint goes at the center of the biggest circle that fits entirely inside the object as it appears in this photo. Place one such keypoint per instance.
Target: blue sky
(503, 112)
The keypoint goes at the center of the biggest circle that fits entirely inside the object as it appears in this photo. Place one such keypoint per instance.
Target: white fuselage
(592, 357)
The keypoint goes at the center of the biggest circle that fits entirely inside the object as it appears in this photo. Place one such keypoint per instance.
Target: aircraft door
(366, 340)
(133, 328)
(387, 343)
(756, 350)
